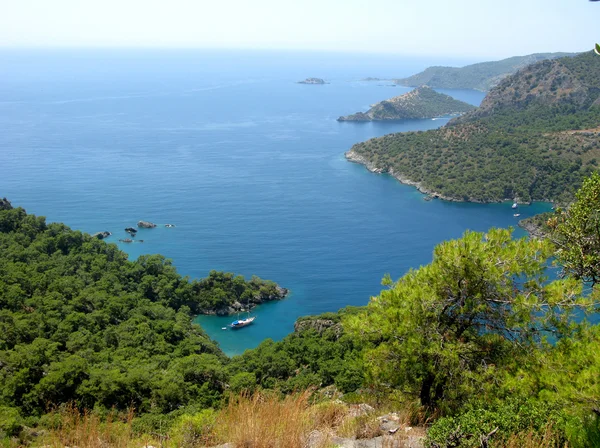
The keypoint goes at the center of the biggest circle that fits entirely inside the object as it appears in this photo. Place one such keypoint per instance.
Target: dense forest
(80, 323)
(535, 137)
(477, 345)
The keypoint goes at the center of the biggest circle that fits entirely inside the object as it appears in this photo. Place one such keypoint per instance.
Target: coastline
(353, 157)
(237, 307)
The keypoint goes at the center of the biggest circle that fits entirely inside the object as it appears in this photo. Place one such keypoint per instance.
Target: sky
(461, 28)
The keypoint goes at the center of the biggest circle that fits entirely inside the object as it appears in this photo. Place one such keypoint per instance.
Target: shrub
(512, 417)
(11, 421)
(197, 429)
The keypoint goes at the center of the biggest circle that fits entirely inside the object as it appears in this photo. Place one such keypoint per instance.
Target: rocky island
(419, 103)
(312, 81)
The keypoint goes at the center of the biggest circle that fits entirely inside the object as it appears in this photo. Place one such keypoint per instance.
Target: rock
(169, 225)
(5, 204)
(131, 230)
(101, 235)
(126, 240)
(358, 410)
(146, 224)
(312, 81)
(319, 325)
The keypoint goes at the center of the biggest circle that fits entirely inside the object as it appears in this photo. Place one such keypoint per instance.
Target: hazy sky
(455, 27)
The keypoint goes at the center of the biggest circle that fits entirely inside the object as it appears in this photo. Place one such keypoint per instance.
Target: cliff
(422, 102)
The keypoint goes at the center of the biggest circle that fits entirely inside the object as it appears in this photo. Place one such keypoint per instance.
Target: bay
(245, 162)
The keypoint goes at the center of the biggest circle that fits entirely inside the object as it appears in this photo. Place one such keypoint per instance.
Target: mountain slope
(422, 102)
(481, 76)
(534, 138)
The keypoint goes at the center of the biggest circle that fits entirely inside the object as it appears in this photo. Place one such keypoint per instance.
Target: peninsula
(534, 138)
(423, 102)
(482, 76)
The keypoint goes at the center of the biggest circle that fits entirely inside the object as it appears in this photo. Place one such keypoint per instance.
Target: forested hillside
(481, 76)
(460, 345)
(419, 103)
(535, 137)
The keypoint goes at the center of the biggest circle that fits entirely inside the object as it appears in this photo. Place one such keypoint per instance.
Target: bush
(197, 429)
(511, 417)
(11, 421)
(243, 382)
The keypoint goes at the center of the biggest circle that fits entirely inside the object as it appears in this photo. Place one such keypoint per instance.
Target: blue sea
(248, 164)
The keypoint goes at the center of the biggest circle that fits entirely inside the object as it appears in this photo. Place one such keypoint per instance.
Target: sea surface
(248, 164)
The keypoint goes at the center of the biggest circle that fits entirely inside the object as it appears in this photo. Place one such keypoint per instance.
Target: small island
(420, 103)
(312, 81)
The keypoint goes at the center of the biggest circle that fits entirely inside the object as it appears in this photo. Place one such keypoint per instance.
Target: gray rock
(146, 224)
(358, 410)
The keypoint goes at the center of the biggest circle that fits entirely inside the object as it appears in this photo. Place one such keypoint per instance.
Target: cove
(245, 162)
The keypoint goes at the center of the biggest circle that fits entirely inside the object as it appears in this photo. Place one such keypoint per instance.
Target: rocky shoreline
(352, 156)
(535, 226)
(237, 307)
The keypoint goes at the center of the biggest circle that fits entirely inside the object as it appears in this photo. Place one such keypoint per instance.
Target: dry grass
(329, 415)
(88, 430)
(265, 421)
(259, 420)
(549, 438)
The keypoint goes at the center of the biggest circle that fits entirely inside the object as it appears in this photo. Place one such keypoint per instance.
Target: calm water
(248, 164)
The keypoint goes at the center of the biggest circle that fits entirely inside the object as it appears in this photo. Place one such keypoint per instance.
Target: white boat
(515, 205)
(516, 215)
(242, 322)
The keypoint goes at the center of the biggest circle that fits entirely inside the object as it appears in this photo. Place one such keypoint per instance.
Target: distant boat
(516, 214)
(242, 322)
(515, 205)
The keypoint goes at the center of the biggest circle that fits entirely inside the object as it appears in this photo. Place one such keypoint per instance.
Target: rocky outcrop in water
(146, 225)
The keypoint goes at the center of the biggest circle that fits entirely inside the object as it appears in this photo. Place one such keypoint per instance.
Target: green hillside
(481, 76)
(535, 136)
(96, 350)
(419, 103)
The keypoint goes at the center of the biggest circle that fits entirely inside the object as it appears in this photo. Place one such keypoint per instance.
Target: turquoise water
(248, 164)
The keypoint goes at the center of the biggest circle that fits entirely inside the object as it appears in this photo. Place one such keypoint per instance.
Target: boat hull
(242, 323)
